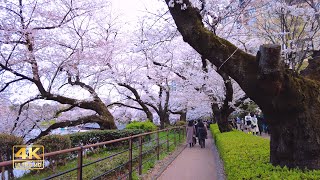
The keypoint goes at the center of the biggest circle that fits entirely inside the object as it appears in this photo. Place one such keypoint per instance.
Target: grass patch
(247, 157)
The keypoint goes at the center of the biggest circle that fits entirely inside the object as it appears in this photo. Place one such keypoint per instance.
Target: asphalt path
(196, 163)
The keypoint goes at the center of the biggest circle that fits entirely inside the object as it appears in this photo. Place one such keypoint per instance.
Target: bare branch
(8, 83)
(125, 105)
(20, 111)
(164, 65)
(16, 73)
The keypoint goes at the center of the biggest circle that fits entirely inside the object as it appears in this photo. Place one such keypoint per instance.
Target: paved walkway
(196, 164)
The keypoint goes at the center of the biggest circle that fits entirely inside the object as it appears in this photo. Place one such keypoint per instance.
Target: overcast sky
(133, 9)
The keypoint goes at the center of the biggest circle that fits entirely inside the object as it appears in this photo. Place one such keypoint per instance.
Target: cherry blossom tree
(288, 101)
(60, 51)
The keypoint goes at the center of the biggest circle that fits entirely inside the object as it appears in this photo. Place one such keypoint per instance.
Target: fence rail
(129, 165)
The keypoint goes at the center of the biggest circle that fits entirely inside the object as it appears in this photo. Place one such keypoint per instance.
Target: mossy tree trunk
(221, 113)
(225, 111)
(183, 116)
(291, 103)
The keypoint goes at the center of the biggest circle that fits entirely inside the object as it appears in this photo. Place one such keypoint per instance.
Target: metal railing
(136, 144)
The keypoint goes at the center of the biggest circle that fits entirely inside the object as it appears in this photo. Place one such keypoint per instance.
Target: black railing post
(140, 155)
(130, 158)
(168, 140)
(174, 137)
(179, 135)
(158, 148)
(80, 162)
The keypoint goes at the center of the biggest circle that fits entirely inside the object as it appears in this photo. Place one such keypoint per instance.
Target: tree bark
(182, 113)
(183, 116)
(221, 118)
(291, 103)
(138, 100)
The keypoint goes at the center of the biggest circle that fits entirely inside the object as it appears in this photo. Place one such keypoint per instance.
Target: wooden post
(80, 161)
(130, 158)
(158, 148)
(140, 155)
(167, 140)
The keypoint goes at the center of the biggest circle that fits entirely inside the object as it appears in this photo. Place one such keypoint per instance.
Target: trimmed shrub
(181, 123)
(96, 136)
(7, 141)
(55, 143)
(147, 126)
(247, 157)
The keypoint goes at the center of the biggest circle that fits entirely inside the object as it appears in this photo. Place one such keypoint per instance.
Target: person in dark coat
(202, 133)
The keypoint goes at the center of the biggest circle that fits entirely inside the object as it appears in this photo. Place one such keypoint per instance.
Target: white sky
(133, 9)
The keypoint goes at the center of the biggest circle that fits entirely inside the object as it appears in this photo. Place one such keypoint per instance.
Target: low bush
(92, 137)
(55, 143)
(247, 157)
(180, 123)
(6, 143)
(146, 126)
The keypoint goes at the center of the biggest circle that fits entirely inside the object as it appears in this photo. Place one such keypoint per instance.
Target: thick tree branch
(214, 48)
(81, 120)
(138, 100)
(125, 105)
(63, 110)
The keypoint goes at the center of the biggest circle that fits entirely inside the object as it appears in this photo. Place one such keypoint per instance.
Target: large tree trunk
(164, 119)
(183, 116)
(221, 118)
(222, 114)
(290, 103)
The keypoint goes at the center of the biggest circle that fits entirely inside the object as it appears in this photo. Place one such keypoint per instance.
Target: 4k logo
(28, 157)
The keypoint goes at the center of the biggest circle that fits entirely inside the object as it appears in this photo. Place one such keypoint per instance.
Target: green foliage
(48, 123)
(6, 143)
(55, 143)
(181, 123)
(247, 157)
(101, 167)
(249, 107)
(146, 126)
(92, 137)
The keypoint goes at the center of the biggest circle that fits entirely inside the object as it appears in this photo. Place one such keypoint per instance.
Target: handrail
(10, 162)
(132, 159)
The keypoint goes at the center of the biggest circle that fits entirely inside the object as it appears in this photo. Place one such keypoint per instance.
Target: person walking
(248, 123)
(191, 131)
(238, 123)
(254, 125)
(202, 134)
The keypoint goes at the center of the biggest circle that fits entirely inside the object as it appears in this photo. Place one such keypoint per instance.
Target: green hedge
(92, 137)
(146, 126)
(6, 143)
(180, 123)
(55, 143)
(247, 157)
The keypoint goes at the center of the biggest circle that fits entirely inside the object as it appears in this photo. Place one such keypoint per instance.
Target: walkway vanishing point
(196, 164)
